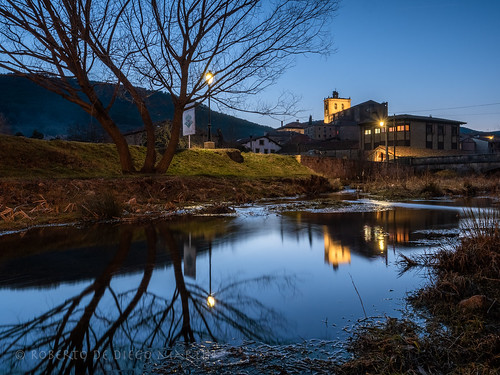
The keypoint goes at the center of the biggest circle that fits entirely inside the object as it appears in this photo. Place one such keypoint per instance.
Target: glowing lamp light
(209, 77)
(381, 123)
(210, 301)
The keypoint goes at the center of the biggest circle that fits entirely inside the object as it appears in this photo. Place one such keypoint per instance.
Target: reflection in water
(87, 333)
(335, 253)
(125, 286)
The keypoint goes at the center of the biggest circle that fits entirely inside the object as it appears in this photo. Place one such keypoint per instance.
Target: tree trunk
(119, 140)
(174, 140)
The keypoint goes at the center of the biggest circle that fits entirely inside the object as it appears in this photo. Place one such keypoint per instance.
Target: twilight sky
(424, 57)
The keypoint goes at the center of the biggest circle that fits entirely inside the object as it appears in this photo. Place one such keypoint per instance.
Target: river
(274, 273)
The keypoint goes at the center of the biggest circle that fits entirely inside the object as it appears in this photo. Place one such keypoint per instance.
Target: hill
(25, 107)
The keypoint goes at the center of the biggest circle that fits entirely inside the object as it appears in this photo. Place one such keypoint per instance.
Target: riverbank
(459, 309)
(26, 203)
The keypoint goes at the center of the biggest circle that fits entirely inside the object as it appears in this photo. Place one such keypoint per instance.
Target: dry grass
(431, 185)
(459, 338)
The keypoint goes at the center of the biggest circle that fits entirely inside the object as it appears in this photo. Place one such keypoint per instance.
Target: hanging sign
(188, 122)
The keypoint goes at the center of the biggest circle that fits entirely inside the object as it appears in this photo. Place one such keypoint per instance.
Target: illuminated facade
(334, 105)
(418, 132)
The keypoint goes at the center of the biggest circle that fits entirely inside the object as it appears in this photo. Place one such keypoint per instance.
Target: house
(261, 145)
(136, 137)
(417, 132)
(296, 127)
(480, 144)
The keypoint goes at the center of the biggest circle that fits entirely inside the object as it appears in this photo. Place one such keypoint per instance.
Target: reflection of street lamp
(209, 78)
(382, 123)
(210, 298)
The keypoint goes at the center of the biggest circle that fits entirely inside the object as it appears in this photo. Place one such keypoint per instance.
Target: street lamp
(382, 123)
(209, 78)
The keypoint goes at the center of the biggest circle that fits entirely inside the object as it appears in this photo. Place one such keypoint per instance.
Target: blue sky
(424, 57)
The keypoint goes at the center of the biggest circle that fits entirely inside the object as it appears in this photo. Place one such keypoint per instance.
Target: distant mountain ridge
(25, 107)
(469, 131)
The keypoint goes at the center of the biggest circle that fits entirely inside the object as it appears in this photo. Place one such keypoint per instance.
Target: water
(118, 295)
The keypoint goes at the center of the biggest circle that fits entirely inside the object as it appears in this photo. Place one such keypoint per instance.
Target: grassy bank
(57, 181)
(31, 158)
(461, 308)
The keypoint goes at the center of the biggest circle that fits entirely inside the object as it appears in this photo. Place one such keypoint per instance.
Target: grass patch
(196, 162)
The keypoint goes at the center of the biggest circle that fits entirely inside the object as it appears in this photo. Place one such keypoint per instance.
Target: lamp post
(382, 123)
(209, 78)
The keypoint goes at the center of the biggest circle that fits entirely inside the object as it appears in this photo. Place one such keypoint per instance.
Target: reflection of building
(335, 252)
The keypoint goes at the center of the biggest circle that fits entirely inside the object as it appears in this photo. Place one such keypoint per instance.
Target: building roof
(425, 118)
(294, 125)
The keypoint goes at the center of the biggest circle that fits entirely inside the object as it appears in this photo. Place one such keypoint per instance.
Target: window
(454, 130)
(454, 146)
(342, 106)
(428, 129)
(391, 129)
(261, 142)
(335, 105)
(257, 150)
(440, 145)
(428, 144)
(401, 128)
(368, 131)
(440, 130)
(407, 128)
(377, 130)
(266, 151)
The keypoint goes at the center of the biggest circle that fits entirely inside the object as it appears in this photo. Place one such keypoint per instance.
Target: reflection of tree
(77, 329)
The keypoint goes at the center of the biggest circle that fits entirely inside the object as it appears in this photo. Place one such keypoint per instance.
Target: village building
(261, 145)
(296, 127)
(335, 104)
(480, 144)
(415, 132)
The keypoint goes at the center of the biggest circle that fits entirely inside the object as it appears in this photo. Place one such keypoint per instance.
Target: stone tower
(335, 104)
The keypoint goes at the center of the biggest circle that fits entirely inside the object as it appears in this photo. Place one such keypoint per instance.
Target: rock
(477, 302)
(235, 155)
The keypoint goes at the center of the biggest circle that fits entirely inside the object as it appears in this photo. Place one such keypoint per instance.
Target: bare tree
(59, 45)
(162, 45)
(246, 44)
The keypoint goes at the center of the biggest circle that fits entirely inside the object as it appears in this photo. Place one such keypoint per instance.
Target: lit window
(377, 130)
(368, 131)
(391, 129)
(407, 128)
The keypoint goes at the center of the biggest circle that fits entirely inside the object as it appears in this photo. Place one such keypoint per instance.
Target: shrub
(431, 189)
(101, 207)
